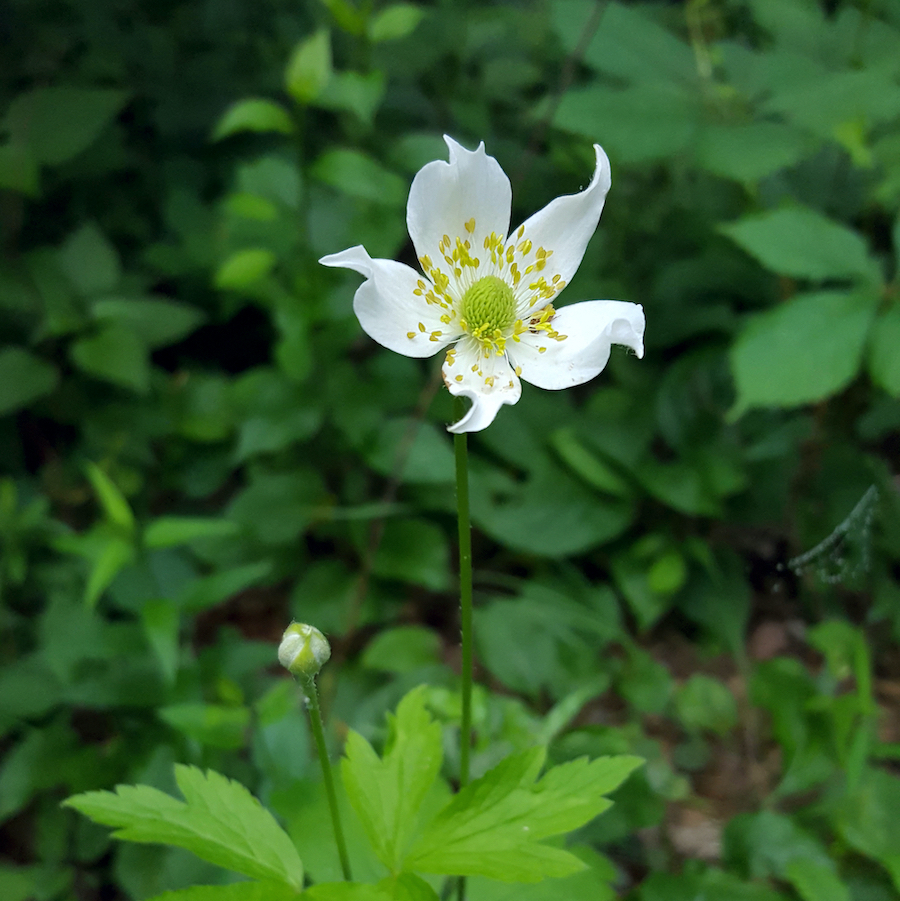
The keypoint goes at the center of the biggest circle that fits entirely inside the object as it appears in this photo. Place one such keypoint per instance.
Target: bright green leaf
(493, 827)
(388, 792)
(244, 267)
(114, 503)
(354, 92)
(23, 379)
(815, 881)
(170, 531)
(802, 351)
(704, 703)
(254, 114)
(239, 891)
(347, 891)
(395, 21)
(408, 887)
(309, 67)
(219, 821)
(802, 243)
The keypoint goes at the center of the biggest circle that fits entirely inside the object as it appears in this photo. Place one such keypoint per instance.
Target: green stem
(465, 603)
(315, 718)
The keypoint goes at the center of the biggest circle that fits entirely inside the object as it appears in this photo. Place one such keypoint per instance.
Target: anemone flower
(485, 294)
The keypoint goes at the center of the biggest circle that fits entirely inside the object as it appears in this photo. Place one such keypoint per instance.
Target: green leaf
(347, 891)
(23, 379)
(114, 503)
(751, 151)
(158, 322)
(802, 243)
(170, 531)
(408, 887)
(704, 703)
(90, 261)
(639, 124)
(254, 114)
(357, 175)
(590, 884)
(884, 360)
(200, 594)
(815, 881)
(57, 123)
(18, 169)
(355, 92)
(161, 623)
(402, 649)
(240, 891)
(219, 821)
(309, 68)
(493, 826)
(115, 354)
(627, 43)
(415, 551)
(387, 792)
(395, 21)
(244, 267)
(213, 725)
(114, 555)
(802, 351)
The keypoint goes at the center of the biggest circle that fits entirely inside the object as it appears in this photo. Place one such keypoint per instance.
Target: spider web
(847, 552)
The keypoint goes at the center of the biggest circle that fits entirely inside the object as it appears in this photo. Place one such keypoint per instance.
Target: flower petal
(446, 196)
(591, 327)
(388, 310)
(564, 227)
(491, 385)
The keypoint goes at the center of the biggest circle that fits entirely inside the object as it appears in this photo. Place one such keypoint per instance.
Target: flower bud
(304, 650)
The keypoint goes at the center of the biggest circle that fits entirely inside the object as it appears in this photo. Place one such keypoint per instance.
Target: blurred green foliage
(197, 442)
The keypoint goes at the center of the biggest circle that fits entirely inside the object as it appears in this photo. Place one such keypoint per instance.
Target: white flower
(489, 292)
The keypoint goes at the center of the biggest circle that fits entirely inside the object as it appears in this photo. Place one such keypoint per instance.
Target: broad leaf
(884, 358)
(493, 827)
(23, 379)
(387, 792)
(802, 351)
(802, 243)
(254, 114)
(219, 821)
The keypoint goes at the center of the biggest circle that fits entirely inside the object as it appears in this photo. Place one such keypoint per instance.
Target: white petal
(445, 196)
(486, 398)
(591, 328)
(565, 226)
(388, 310)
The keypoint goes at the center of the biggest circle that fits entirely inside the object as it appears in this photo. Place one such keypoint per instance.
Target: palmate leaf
(219, 821)
(387, 792)
(493, 827)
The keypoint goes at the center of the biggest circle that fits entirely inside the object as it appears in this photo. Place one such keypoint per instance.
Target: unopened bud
(304, 650)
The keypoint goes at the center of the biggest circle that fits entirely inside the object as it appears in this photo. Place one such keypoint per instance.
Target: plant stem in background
(315, 718)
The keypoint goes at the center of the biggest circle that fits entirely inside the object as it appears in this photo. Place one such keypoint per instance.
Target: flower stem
(315, 718)
(465, 595)
(465, 602)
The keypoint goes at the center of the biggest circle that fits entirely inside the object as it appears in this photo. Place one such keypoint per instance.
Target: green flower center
(488, 308)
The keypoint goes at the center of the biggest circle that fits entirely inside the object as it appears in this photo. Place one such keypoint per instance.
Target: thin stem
(465, 602)
(465, 596)
(315, 718)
